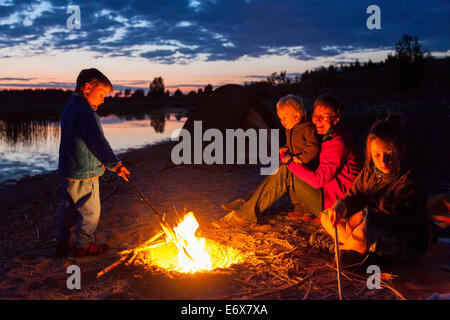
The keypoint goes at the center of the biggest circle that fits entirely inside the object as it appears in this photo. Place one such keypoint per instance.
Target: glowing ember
(202, 254)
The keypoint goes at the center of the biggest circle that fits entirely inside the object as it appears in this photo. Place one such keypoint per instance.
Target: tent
(230, 107)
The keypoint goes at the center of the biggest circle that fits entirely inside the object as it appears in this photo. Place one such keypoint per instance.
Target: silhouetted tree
(208, 89)
(332, 69)
(138, 93)
(409, 51)
(178, 93)
(127, 92)
(156, 87)
(278, 79)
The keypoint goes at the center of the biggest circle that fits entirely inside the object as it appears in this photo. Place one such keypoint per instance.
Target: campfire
(182, 251)
(274, 263)
(188, 253)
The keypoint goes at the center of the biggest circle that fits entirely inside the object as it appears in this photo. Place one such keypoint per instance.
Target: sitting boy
(84, 153)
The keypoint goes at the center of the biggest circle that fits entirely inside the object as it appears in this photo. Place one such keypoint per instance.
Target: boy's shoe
(92, 249)
(229, 221)
(233, 205)
(64, 248)
(322, 241)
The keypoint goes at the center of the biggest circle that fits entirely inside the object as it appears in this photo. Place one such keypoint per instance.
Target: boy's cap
(87, 75)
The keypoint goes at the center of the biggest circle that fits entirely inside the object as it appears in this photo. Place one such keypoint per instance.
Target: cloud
(16, 79)
(182, 31)
(50, 84)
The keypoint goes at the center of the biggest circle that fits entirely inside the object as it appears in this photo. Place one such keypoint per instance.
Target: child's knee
(324, 218)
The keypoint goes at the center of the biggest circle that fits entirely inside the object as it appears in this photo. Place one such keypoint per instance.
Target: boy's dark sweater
(302, 141)
(396, 203)
(83, 148)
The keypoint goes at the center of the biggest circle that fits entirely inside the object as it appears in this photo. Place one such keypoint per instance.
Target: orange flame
(186, 240)
(188, 254)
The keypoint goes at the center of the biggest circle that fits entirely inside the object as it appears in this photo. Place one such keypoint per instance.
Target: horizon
(194, 43)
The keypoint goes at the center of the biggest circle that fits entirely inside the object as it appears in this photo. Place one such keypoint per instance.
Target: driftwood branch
(130, 255)
(115, 264)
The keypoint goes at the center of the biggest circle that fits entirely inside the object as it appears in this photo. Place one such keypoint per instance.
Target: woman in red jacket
(317, 189)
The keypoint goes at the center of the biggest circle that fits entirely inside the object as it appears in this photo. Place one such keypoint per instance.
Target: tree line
(157, 89)
(408, 69)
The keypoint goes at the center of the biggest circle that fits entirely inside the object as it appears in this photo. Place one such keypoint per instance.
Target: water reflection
(31, 146)
(158, 122)
(27, 132)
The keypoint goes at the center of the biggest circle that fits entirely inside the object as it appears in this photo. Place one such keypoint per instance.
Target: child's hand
(285, 159)
(337, 211)
(297, 160)
(123, 172)
(283, 150)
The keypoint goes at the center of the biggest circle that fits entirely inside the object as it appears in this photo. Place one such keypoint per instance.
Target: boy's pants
(80, 205)
(274, 187)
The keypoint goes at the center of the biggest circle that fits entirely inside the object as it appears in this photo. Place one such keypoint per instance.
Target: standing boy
(84, 153)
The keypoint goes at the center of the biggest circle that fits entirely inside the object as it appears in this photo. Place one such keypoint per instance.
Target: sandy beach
(29, 270)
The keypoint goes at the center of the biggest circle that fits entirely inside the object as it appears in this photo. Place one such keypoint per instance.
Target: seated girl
(384, 212)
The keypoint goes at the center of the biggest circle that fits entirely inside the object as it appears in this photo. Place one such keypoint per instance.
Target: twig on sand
(397, 293)
(131, 254)
(115, 264)
(308, 291)
(259, 293)
(284, 289)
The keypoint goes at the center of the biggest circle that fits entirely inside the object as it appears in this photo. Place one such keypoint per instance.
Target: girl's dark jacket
(396, 203)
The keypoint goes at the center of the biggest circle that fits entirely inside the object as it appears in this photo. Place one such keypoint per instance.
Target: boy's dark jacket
(397, 203)
(303, 142)
(83, 148)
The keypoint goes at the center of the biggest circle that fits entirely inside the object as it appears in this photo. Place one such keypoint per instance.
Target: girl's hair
(329, 100)
(93, 76)
(390, 131)
(294, 102)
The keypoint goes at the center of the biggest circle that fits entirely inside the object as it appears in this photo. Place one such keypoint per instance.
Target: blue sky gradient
(183, 33)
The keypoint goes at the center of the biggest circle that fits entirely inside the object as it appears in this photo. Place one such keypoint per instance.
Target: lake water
(31, 147)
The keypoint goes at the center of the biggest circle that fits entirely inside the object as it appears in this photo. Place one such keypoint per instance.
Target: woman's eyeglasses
(320, 118)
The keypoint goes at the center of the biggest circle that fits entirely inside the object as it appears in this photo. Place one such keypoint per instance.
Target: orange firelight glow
(189, 254)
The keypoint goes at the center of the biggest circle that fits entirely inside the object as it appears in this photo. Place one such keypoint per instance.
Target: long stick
(338, 260)
(115, 264)
(167, 229)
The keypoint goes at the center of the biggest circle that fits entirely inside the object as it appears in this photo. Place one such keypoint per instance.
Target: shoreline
(13, 182)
